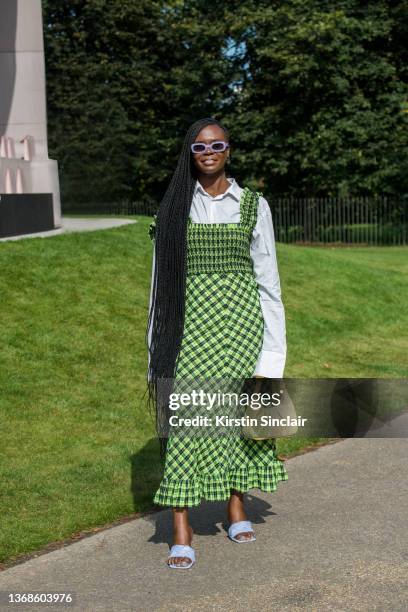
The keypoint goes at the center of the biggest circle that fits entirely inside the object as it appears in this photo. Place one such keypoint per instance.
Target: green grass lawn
(77, 443)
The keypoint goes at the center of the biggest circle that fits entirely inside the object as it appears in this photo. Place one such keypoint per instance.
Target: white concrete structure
(24, 163)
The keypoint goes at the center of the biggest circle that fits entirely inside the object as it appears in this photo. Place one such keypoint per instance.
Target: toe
(183, 561)
(245, 535)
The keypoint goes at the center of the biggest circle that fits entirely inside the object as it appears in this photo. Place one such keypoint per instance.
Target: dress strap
(249, 207)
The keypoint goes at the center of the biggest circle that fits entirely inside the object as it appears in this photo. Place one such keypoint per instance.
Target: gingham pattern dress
(223, 333)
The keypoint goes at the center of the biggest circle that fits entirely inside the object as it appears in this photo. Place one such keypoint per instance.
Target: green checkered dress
(223, 334)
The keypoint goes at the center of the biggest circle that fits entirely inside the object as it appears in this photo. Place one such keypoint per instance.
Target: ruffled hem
(191, 491)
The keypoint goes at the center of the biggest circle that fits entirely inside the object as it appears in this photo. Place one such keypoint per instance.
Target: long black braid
(166, 315)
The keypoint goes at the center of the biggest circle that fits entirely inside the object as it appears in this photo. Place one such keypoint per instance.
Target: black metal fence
(366, 221)
(124, 207)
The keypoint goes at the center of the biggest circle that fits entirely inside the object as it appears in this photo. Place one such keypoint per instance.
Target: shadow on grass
(146, 471)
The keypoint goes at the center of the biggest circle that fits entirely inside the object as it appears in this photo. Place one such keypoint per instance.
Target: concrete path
(396, 427)
(333, 537)
(76, 225)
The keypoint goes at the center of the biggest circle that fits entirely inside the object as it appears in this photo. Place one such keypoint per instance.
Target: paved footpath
(76, 224)
(333, 537)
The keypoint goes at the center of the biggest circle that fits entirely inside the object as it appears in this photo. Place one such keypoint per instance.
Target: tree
(314, 93)
(125, 79)
(322, 100)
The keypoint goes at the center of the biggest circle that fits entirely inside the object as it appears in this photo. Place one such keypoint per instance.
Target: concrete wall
(22, 74)
(23, 108)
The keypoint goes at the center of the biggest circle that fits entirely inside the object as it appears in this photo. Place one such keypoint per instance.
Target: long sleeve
(272, 359)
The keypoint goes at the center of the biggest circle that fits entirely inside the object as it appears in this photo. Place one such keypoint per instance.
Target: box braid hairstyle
(166, 315)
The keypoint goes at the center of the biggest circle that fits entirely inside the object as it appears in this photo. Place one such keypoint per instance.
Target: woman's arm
(271, 361)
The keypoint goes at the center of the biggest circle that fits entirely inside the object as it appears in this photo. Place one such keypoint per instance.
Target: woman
(215, 310)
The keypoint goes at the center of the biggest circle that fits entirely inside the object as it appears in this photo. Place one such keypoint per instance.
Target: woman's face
(208, 162)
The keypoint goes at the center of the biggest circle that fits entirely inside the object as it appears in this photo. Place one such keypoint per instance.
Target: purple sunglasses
(218, 146)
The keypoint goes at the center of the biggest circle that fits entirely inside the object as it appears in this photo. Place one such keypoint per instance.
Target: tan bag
(275, 389)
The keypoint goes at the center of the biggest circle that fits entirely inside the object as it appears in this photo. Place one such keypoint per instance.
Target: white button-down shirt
(225, 208)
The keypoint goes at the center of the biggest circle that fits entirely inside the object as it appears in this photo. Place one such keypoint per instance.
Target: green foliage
(314, 93)
(125, 79)
(322, 109)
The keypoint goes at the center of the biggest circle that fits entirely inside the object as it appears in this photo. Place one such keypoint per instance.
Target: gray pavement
(76, 225)
(396, 427)
(332, 537)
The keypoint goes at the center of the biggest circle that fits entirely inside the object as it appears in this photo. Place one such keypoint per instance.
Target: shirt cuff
(270, 364)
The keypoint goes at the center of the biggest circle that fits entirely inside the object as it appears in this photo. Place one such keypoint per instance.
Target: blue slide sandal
(241, 527)
(182, 550)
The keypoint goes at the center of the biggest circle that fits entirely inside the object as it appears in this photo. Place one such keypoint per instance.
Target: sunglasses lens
(219, 146)
(198, 148)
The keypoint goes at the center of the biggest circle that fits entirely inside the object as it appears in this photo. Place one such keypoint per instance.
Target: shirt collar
(233, 190)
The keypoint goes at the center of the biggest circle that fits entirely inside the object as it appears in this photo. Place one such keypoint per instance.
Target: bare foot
(236, 512)
(183, 534)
